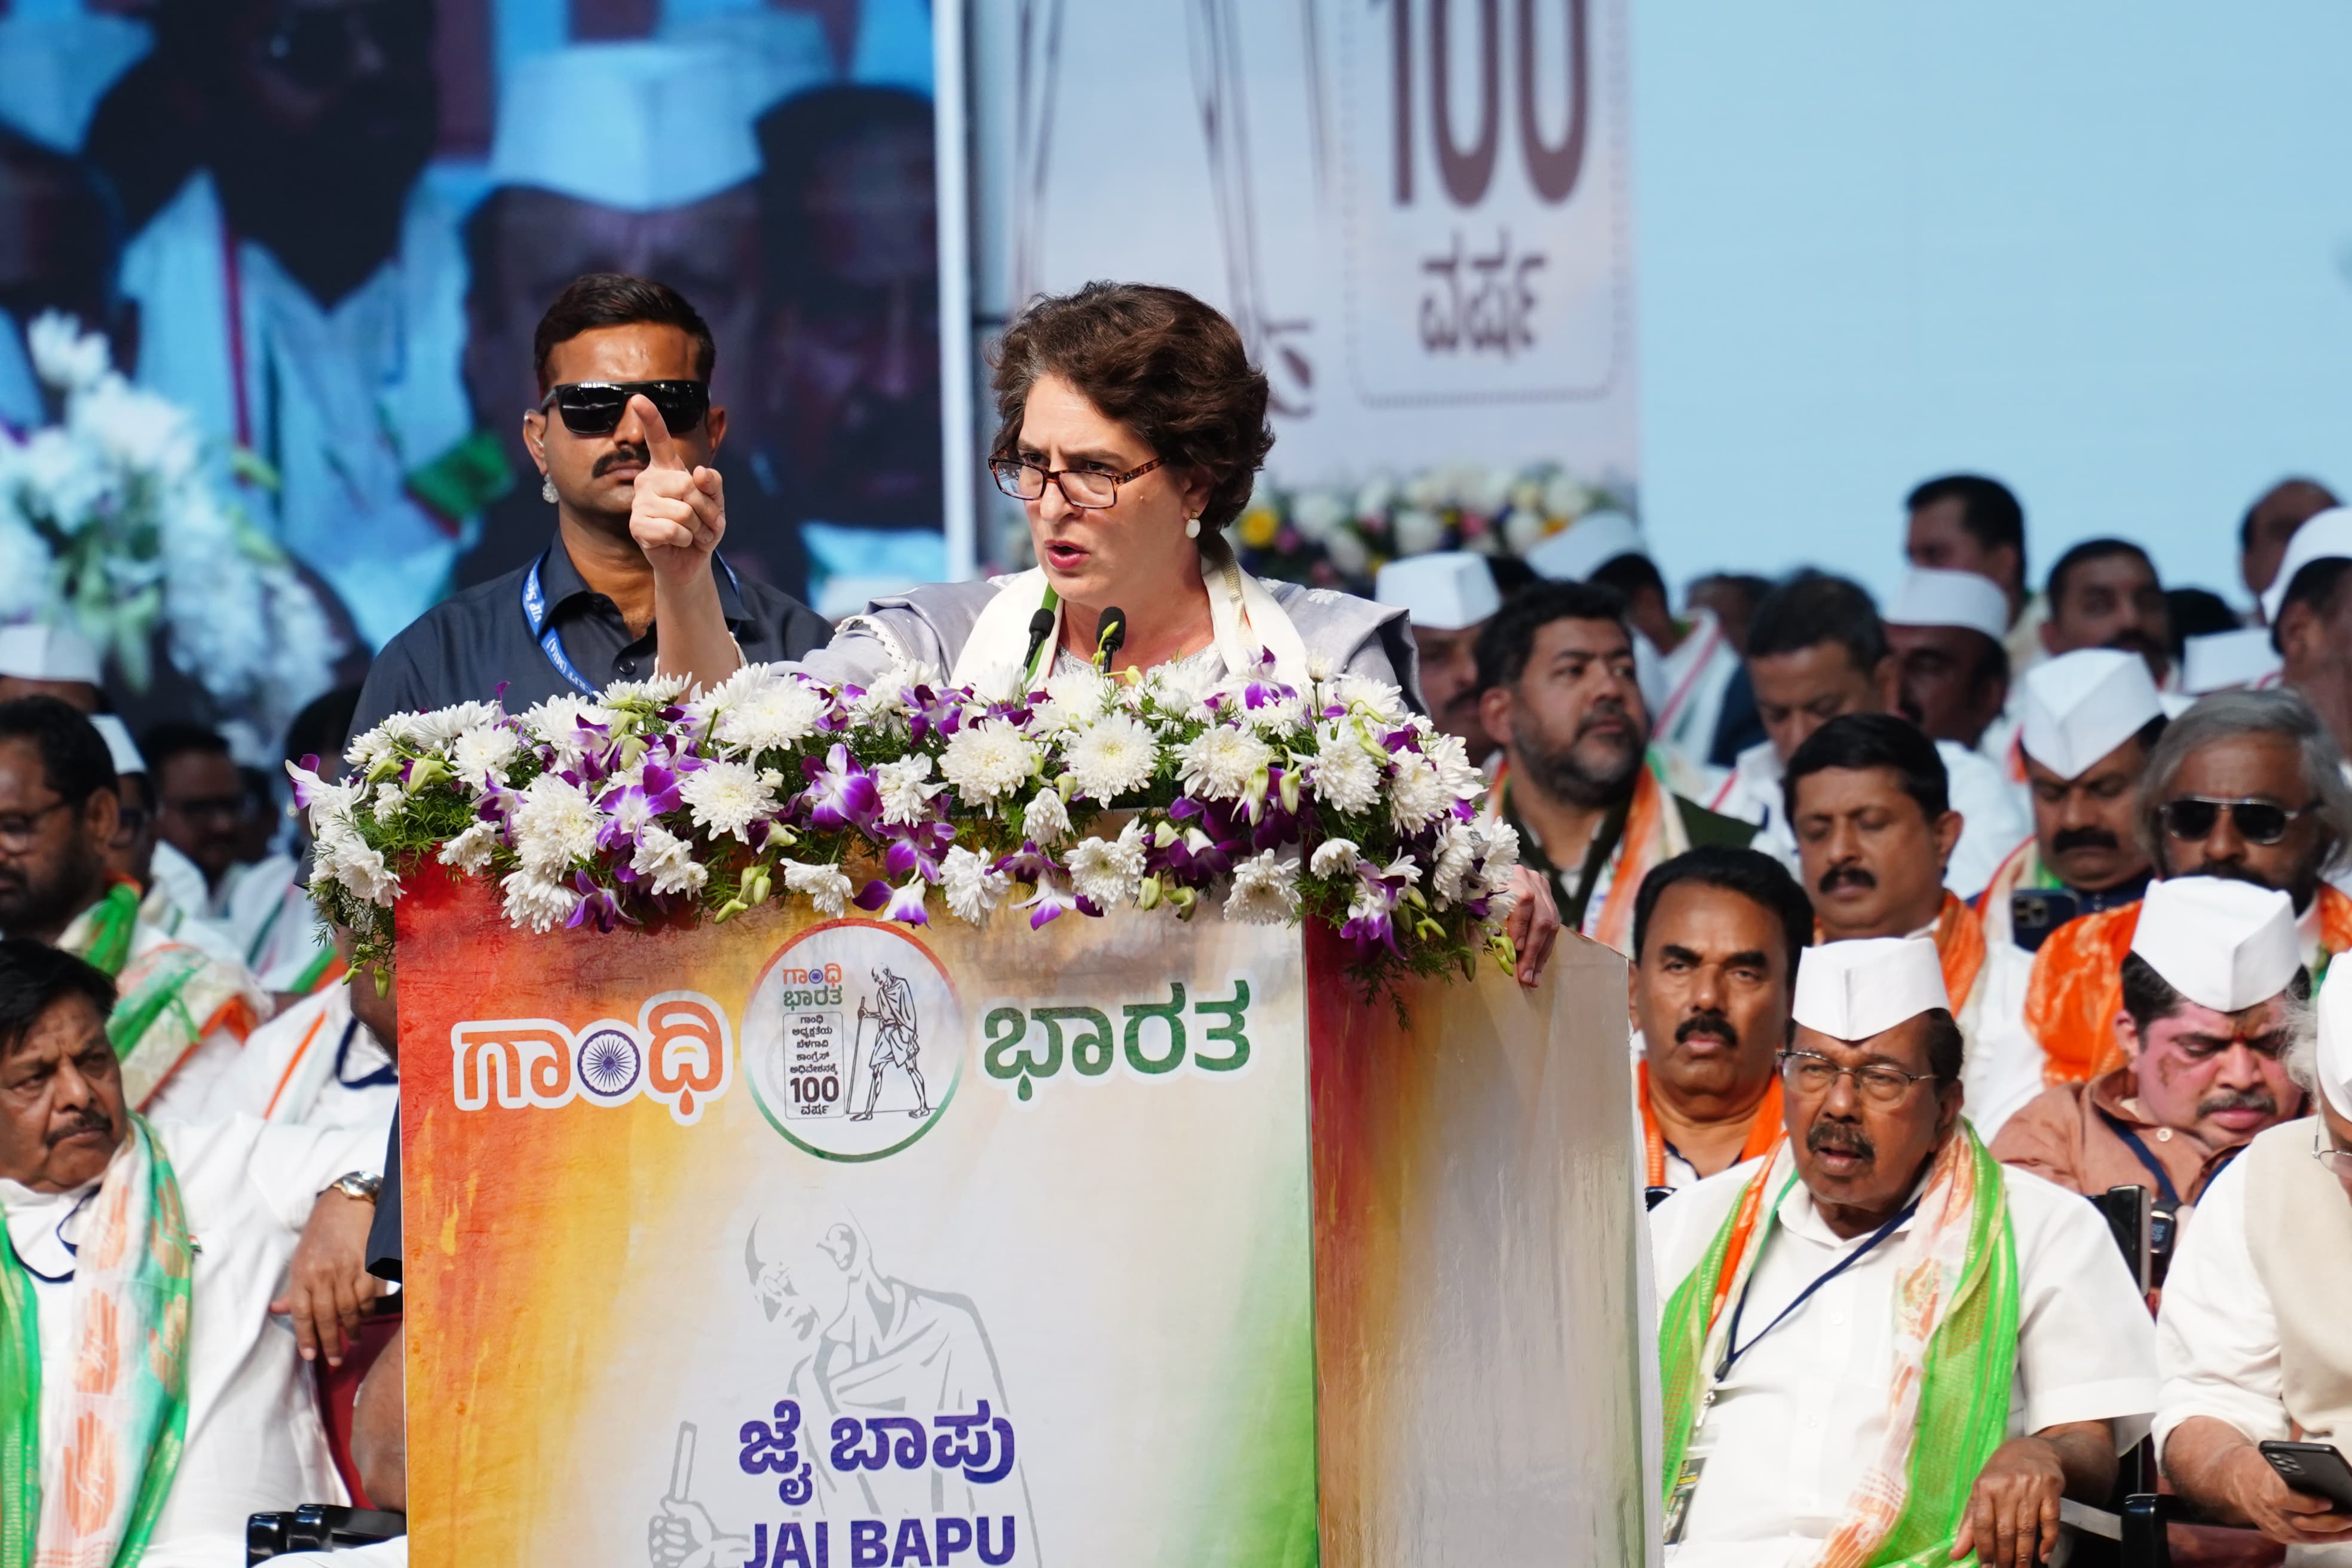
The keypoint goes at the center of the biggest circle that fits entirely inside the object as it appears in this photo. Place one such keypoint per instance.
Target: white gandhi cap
(119, 745)
(2326, 537)
(47, 653)
(1447, 590)
(2220, 661)
(2080, 705)
(1585, 546)
(1853, 990)
(634, 126)
(2224, 944)
(1935, 598)
(2333, 1056)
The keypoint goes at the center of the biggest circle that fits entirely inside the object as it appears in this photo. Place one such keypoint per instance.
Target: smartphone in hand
(2316, 1470)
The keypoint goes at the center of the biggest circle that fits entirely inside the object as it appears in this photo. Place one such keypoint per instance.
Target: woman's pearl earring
(1192, 527)
(547, 491)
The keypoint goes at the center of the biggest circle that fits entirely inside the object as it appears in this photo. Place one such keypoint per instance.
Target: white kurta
(268, 910)
(1991, 818)
(1696, 676)
(254, 1440)
(313, 1065)
(1791, 1425)
(2005, 1062)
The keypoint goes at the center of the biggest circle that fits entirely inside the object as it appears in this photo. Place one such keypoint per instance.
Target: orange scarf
(1763, 1130)
(2076, 986)
(1960, 944)
(1653, 834)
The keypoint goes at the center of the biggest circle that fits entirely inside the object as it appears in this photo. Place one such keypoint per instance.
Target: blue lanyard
(71, 1251)
(2165, 1191)
(550, 640)
(1733, 1350)
(387, 1074)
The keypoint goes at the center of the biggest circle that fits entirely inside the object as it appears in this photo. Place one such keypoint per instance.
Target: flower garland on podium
(1159, 792)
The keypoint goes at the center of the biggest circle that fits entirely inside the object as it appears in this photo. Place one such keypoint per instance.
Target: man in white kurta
(314, 1065)
(1805, 1413)
(2250, 1342)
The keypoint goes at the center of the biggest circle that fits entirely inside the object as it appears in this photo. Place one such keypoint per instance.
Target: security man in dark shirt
(632, 585)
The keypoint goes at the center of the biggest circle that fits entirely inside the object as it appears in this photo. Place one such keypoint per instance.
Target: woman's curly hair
(1158, 361)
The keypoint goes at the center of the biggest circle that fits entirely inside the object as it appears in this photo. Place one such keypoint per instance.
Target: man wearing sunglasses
(2245, 784)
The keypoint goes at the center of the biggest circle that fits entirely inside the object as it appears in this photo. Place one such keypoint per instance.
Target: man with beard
(1875, 825)
(2214, 993)
(184, 1014)
(2269, 525)
(1945, 629)
(1716, 936)
(2310, 610)
(2091, 718)
(1817, 648)
(850, 421)
(1593, 812)
(2245, 784)
(1879, 1344)
(1450, 597)
(2103, 593)
(298, 288)
(156, 1402)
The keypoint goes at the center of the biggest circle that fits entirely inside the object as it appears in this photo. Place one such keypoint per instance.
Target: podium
(791, 1241)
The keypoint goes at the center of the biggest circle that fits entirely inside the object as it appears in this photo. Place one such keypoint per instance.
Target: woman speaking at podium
(1132, 425)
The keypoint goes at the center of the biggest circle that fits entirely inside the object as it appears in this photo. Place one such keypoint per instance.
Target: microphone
(1040, 626)
(1110, 635)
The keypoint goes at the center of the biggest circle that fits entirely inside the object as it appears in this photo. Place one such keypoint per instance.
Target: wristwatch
(357, 1184)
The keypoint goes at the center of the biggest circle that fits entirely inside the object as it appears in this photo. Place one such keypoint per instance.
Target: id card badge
(1678, 1502)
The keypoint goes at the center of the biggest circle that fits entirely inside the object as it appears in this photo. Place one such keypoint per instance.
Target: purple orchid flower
(1052, 900)
(1028, 864)
(1370, 931)
(596, 904)
(903, 903)
(917, 848)
(632, 807)
(308, 784)
(840, 792)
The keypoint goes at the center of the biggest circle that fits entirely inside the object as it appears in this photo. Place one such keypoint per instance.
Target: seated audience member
(2213, 992)
(1966, 522)
(184, 1014)
(1716, 934)
(1945, 630)
(1450, 595)
(2089, 720)
(138, 856)
(51, 661)
(1578, 780)
(2269, 525)
(2245, 784)
(203, 806)
(1817, 649)
(1700, 706)
(1874, 826)
(165, 1241)
(289, 949)
(2310, 610)
(1878, 1345)
(1731, 597)
(323, 1061)
(2251, 1343)
(2104, 592)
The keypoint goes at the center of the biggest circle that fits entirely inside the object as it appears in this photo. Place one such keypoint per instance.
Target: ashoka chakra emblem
(609, 1064)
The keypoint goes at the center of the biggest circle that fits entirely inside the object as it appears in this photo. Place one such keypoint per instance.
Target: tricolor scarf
(1954, 1303)
(168, 998)
(2076, 986)
(1763, 1129)
(103, 1478)
(1653, 834)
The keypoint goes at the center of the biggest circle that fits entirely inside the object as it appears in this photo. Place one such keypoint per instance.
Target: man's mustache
(640, 456)
(2235, 870)
(2257, 1100)
(2131, 639)
(1713, 1025)
(1607, 709)
(1842, 1136)
(1838, 876)
(91, 1119)
(2069, 838)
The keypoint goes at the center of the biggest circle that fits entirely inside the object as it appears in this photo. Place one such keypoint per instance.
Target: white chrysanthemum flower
(1383, 701)
(824, 886)
(906, 795)
(1455, 871)
(366, 751)
(537, 903)
(781, 713)
(555, 724)
(986, 760)
(1109, 871)
(1219, 763)
(1335, 858)
(1265, 892)
(727, 797)
(471, 850)
(654, 691)
(666, 861)
(1112, 757)
(555, 824)
(1045, 820)
(747, 682)
(441, 727)
(1345, 773)
(389, 801)
(346, 857)
(974, 890)
(1417, 795)
(1180, 686)
(482, 755)
(884, 700)
(1073, 699)
(1460, 776)
(64, 356)
(1499, 859)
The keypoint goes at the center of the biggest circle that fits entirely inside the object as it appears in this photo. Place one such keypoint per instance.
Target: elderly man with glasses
(2245, 784)
(1879, 1344)
(2250, 1342)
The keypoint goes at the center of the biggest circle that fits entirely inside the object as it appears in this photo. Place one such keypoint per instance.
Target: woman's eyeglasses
(1083, 487)
(594, 407)
(1811, 1074)
(2192, 817)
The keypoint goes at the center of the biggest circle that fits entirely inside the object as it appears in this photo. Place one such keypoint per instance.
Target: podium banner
(831, 1243)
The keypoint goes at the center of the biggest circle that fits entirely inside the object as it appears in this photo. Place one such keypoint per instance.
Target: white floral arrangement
(1344, 534)
(640, 806)
(111, 523)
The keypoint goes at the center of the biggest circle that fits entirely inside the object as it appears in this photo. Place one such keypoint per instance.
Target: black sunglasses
(2192, 816)
(594, 407)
